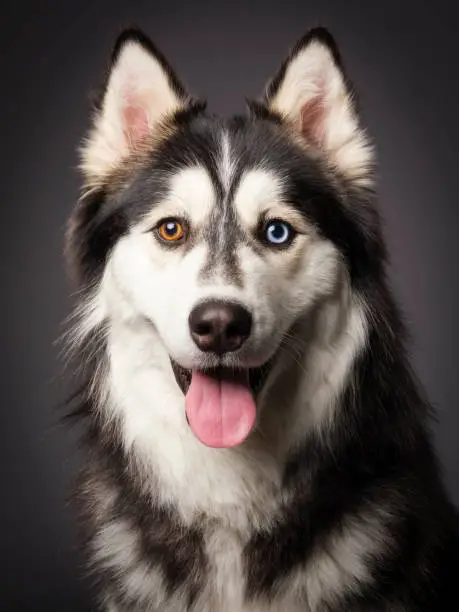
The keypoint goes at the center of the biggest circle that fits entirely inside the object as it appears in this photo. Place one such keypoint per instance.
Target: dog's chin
(257, 376)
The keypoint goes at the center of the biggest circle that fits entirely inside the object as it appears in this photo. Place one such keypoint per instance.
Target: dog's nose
(220, 327)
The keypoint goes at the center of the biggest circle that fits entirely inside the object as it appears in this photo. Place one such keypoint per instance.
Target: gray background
(404, 60)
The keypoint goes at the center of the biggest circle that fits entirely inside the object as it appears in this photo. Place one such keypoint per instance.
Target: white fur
(226, 166)
(341, 334)
(312, 75)
(226, 162)
(190, 194)
(259, 190)
(225, 586)
(146, 396)
(137, 81)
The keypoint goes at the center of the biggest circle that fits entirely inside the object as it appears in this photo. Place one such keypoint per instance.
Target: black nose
(220, 327)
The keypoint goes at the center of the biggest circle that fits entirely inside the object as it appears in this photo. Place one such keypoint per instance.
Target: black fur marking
(195, 142)
(192, 110)
(95, 228)
(223, 234)
(259, 110)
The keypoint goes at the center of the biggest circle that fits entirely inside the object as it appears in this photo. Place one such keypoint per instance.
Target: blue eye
(278, 232)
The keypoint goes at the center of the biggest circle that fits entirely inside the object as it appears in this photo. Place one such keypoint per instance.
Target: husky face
(223, 234)
(241, 241)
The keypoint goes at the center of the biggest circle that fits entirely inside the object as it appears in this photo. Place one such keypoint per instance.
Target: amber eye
(171, 230)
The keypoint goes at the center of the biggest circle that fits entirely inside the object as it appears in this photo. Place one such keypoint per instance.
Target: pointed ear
(140, 92)
(312, 91)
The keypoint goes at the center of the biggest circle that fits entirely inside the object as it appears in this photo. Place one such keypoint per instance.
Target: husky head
(221, 235)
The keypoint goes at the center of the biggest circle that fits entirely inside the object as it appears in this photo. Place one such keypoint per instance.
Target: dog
(256, 439)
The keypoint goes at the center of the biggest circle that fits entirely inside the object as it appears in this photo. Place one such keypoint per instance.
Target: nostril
(239, 327)
(235, 330)
(203, 328)
(232, 330)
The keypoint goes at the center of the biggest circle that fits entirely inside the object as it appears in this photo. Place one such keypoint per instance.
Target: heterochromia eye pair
(275, 232)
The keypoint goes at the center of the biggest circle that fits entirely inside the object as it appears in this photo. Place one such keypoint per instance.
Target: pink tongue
(221, 413)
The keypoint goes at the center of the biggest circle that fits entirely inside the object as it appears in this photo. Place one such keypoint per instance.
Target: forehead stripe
(223, 233)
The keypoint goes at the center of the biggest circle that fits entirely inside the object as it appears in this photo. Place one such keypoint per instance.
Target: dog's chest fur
(164, 565)
(152, 560)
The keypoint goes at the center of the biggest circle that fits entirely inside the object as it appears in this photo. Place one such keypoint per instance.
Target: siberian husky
(257, 440)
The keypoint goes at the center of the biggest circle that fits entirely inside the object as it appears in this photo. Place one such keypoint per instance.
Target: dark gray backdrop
(403, 58)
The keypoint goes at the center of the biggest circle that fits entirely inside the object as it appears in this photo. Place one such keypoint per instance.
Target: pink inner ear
(312, 119)
(136, 124)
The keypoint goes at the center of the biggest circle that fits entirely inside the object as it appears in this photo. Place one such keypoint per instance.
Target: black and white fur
(335, 502)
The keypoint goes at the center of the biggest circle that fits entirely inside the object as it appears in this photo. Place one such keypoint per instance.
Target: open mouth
(220, 402)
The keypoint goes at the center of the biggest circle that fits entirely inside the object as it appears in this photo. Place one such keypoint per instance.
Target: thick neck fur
(240, 486)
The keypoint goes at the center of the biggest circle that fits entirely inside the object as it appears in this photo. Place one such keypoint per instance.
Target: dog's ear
(141, 90)
(312, 91)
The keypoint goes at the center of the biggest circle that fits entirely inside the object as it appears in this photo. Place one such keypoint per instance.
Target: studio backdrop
(402, 57)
